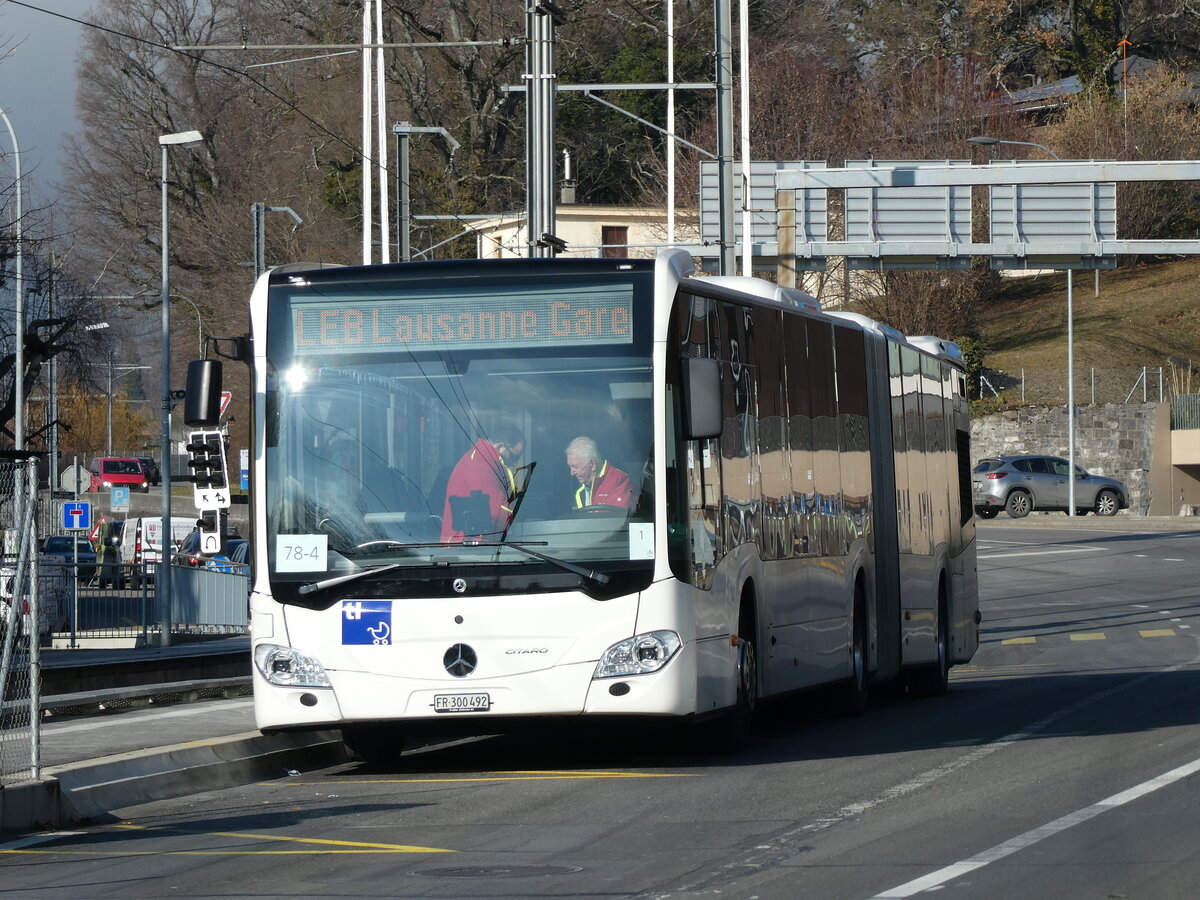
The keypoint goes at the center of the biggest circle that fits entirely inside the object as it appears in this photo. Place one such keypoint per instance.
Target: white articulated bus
(780, 498)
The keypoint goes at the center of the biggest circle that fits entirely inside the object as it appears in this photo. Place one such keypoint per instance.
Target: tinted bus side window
(694, 487)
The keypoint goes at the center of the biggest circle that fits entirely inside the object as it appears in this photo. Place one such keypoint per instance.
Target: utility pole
(541, 18)
(258, 211)
(402, 131)
(724, 55)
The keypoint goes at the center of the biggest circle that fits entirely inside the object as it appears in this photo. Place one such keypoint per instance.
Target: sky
(37, 89)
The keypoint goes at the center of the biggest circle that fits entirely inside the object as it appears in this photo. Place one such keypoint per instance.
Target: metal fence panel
(1093, 386)
(1185, 411)
(210, 600)
(20, 621)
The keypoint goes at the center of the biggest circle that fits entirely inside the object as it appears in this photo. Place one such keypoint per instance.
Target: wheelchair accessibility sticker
(367, 622)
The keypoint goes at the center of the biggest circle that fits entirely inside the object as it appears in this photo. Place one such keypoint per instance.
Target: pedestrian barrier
(119, 606)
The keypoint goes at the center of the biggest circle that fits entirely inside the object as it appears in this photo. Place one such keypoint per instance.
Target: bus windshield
(426, 430)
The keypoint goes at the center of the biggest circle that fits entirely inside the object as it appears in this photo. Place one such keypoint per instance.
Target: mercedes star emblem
(460, 660)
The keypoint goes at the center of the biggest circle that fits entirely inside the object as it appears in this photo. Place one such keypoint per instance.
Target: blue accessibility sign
(77, 515)
(367, 622)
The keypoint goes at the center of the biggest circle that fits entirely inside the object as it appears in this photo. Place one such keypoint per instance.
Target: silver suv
(1021, 484)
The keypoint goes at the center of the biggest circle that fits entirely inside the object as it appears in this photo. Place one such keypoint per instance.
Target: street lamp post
(162, 581)
(988, 141)
(19, 362)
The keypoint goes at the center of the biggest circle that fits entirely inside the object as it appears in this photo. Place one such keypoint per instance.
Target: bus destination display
(464, 320)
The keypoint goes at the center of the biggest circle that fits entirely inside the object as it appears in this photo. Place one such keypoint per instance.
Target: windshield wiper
(582, 572)
(315, 586)
(590, 574)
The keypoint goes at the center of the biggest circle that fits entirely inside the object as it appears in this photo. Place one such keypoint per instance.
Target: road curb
(82, 792)
(1094, 523)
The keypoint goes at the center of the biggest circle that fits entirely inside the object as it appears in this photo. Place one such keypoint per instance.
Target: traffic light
(207, 449)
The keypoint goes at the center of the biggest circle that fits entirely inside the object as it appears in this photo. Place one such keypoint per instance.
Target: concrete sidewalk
(115, 744)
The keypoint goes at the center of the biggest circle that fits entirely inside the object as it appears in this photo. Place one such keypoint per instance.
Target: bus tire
(730, 732)
(934, 680)
(853, 699)
(373, 743)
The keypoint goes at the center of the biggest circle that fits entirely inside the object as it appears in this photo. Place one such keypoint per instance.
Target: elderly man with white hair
(600, 482)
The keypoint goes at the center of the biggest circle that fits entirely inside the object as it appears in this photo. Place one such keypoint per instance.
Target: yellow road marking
(1158, 632)
(1090, 636)
(324, 842)
(214, 852)
(1020, 640)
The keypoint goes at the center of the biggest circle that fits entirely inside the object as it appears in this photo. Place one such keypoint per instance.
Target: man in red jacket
(600, 482)
(481, 492)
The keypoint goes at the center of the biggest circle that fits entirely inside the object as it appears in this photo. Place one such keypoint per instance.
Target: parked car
(114, 471)
(230, 559)
(1020, 484)
(150, 467)
(64, 545)
(188, 554)
(53, 595)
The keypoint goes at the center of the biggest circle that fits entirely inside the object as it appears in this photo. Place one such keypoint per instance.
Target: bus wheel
(934, 680)
(373, 743)
(854, 691)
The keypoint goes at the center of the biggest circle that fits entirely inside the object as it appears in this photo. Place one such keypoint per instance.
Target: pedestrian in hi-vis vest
(600, 482)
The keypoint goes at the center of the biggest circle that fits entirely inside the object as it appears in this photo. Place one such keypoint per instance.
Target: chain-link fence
(20, 623)
(1093, 386)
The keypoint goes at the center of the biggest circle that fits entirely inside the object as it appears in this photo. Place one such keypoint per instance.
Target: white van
(140, 542)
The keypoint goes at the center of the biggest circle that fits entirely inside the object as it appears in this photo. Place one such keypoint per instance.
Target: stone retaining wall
(1115, 439)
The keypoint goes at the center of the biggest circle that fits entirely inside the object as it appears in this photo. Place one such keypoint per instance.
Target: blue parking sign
(77, 516)
(367, 622)
(120, 499)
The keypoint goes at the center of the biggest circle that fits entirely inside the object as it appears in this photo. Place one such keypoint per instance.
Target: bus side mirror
(701, 397)
(202, 402)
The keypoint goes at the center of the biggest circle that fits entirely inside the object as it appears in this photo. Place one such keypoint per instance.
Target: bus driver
(481, 493)
(600, 482)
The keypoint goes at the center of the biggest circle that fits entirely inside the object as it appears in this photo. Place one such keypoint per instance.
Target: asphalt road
(1063, 763)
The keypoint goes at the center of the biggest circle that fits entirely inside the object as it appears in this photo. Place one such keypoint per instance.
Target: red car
(114, 471)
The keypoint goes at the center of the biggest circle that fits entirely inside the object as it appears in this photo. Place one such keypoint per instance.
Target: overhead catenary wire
(368, 161)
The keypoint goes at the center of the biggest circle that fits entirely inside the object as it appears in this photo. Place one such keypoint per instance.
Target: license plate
(462, 702)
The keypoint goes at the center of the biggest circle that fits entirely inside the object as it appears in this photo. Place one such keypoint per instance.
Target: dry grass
(1145, 314)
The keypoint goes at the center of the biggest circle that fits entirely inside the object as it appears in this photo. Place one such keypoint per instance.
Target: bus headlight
(289, 667)
(638, 655)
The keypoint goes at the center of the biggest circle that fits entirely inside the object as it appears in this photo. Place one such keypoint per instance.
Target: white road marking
(784, 845)
(1008, 555)
(1035, 835)
(131, 717)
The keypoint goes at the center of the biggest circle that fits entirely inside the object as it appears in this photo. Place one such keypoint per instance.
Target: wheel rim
(1106, 505)
(941, 646)
(747, 675)
(1019, 504)
(857, 657)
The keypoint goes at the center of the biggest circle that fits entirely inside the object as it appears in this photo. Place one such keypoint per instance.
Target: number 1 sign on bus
(794, 506)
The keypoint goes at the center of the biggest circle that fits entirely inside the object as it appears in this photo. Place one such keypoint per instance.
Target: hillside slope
(1144, 315)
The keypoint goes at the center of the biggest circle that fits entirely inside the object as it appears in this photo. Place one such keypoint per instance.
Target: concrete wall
(1116, 440)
